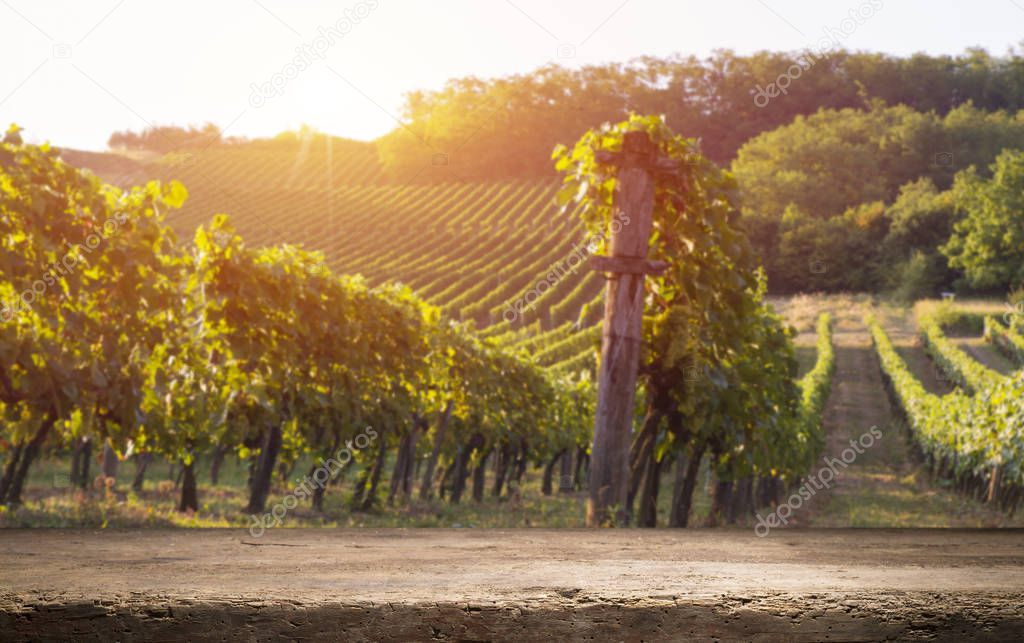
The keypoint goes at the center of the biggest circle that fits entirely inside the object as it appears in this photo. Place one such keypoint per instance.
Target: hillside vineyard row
(495, 253)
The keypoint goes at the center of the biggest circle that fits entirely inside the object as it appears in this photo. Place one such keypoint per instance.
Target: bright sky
(74, 71)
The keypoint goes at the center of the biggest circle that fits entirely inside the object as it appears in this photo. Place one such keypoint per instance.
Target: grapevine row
(975, 439)
(1007, 340)
(960, 367)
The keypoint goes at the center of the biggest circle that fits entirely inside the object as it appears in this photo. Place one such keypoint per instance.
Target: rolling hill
(498, 253)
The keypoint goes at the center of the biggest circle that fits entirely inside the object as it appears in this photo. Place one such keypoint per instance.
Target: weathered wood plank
(627, 265)
(621, 334)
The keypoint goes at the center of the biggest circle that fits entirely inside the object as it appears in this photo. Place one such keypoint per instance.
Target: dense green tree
(834, 160)
(840, 253)
(909, 261)
(825, 166)
(988, 242)
(477, 128)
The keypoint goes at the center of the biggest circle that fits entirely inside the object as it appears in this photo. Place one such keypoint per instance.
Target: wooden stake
(623, 325)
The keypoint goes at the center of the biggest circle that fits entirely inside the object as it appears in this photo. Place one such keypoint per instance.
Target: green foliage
(571, 346)
(918, 277)
(88, 270)
(478, 123)
(752, 418)
(1007, 340)
(960, 367)
(972, 435)
(815, 387)
(1016, 298)
(718, 363)
(834, 160)
(829, 255)
(920, 220)
(807, 187)
(988, 243)
(710, 264)
(165, 349)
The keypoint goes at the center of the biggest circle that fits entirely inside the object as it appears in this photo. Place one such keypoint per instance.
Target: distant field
(481, 251)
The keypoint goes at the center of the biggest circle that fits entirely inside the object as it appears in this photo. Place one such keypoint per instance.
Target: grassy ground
(51, 502)
(985, 353)
(884, 487)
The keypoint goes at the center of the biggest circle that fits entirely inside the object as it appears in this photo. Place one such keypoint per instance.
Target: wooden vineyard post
(623, 323)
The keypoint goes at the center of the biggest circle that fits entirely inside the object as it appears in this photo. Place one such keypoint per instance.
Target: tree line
(474, 122)
(167, 138)
(843, 178)
(887, 199)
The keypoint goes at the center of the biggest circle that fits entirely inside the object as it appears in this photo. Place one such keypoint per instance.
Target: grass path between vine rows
(886, 486)
(987, 354)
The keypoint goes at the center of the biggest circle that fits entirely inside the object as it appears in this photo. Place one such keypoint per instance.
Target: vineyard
(314, 338)
(478, 325)
(971, 436)
(304, 352)
(597, 321)
(499, 254)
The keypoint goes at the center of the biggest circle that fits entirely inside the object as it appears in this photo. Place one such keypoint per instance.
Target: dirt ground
(445, 584)
(886, 486)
